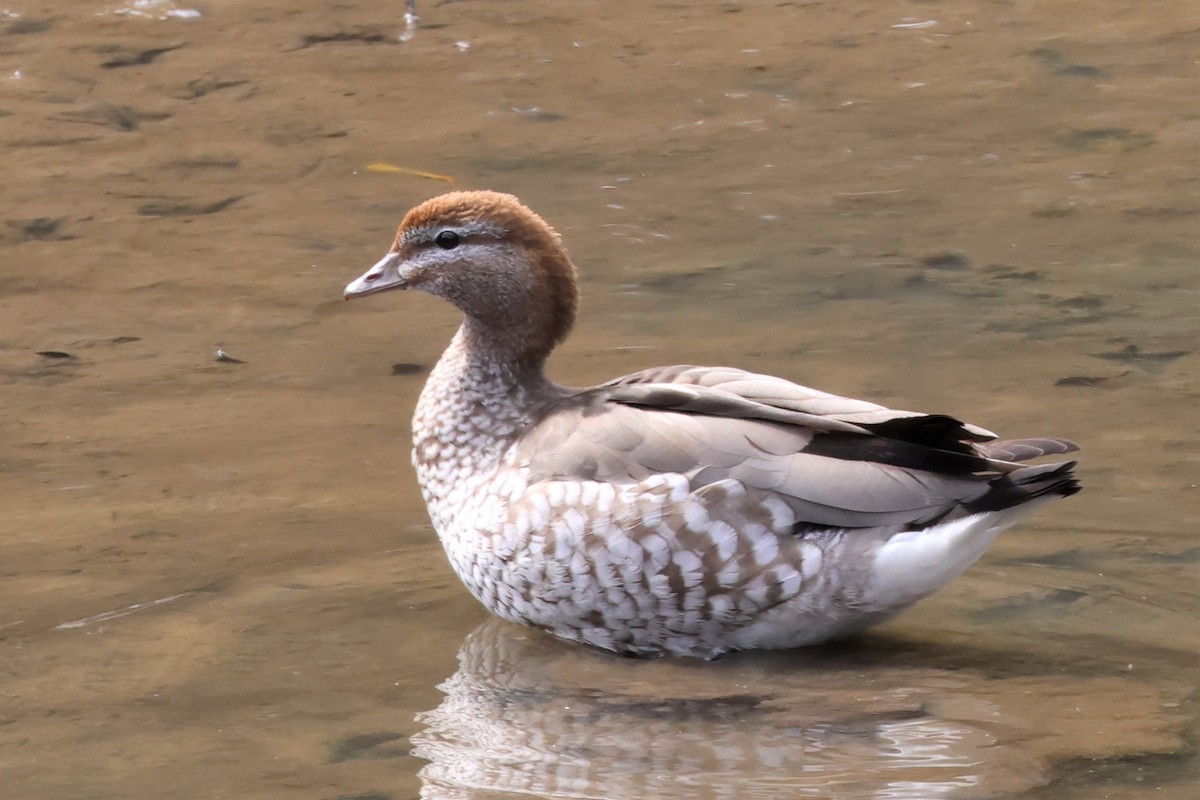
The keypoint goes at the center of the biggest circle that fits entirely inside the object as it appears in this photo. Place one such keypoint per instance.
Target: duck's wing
(756, 396)
(835, 461)
(736, 392)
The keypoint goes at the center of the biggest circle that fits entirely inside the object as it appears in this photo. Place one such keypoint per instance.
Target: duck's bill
(379, 278)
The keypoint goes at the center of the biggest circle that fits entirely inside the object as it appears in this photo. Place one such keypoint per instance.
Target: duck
(683, 510)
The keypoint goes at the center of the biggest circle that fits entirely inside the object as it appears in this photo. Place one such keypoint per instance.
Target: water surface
(217, 578)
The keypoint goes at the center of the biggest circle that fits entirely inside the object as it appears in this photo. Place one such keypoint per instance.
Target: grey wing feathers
(884, 468)
(1025, 449)
(765, 396)
(721, 403)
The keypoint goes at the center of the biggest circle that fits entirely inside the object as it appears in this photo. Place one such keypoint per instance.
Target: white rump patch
(914, 564)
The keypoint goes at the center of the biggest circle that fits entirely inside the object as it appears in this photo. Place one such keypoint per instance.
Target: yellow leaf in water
(380, 166)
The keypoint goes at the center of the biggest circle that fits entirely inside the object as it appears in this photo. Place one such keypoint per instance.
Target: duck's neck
(477, 400)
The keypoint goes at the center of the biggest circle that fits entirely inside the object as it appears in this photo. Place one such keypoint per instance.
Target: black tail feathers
(1027, 484)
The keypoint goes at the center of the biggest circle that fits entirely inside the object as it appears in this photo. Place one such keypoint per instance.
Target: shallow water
(217, 579)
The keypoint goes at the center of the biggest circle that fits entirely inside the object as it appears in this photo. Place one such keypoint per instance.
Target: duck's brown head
(499, 262)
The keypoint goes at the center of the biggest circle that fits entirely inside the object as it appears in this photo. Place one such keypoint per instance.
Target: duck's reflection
(528, 715)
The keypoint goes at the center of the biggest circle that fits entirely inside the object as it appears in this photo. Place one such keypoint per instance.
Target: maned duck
(689, 510)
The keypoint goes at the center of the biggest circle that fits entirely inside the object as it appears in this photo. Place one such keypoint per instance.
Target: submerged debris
(138, 57)
(382, 166)
(1149, 362)
(166, 208)
(225, 358)
(1091, 381)
(407, 368)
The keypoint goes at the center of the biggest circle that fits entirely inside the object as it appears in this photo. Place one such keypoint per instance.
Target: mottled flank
(691, 510)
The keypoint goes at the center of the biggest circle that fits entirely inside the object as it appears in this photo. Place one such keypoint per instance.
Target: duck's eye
(447, 240)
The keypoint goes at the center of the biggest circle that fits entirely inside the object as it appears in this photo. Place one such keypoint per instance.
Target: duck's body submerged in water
(690, 510)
